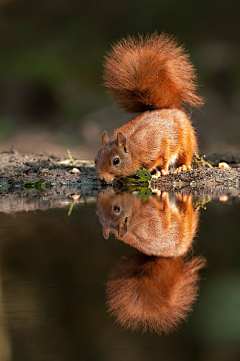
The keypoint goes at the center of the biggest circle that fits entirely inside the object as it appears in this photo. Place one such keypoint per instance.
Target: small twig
(75, 198)
(200, 162)
(71, 208)
(201, 203)
(70, 157)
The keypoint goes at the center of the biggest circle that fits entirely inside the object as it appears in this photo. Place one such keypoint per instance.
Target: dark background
(51, 55)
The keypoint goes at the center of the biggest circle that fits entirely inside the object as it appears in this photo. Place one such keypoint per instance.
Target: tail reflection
(161, 226)
(153, 293)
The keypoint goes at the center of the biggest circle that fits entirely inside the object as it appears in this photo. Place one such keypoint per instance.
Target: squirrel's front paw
(156, 175)
(164, 172)
(159, 173)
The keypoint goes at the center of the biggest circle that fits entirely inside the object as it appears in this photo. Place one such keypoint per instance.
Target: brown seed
(75, 171)
(223, 165)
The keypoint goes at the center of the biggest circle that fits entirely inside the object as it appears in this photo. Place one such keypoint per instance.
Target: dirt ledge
(17, 168)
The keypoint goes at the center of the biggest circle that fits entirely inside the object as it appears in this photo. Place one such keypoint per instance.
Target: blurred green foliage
(52, 53)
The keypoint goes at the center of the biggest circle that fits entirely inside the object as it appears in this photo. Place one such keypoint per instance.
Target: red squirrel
(154, 76)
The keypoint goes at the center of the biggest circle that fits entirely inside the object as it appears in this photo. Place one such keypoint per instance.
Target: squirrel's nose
(105, 178)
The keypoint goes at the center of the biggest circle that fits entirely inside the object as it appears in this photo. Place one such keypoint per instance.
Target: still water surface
(84, 283)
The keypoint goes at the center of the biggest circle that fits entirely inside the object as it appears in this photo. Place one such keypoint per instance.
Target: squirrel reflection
(155, 290)
(153, 293)
(158, 227)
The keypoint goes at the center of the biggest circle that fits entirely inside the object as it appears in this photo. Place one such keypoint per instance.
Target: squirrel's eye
(116, 161)
(116, 209)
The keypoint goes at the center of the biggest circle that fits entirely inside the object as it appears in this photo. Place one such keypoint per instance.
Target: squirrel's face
(113, 159)
(115, 211)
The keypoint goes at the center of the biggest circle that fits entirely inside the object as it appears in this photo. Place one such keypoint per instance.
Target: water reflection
(5, 348)
(153, 293)
(154, 290)
(161, 226)
(53, 268)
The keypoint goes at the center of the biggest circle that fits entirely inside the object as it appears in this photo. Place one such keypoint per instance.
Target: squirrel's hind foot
(183, 167)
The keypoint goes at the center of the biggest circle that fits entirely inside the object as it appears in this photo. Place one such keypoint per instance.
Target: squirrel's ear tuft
(105, 232)
(121, 141)
(105, 138)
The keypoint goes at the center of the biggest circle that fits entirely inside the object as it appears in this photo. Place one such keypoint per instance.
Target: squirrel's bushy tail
(152, 72)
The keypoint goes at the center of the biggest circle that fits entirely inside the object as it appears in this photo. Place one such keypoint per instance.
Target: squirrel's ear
(105, 138)
(105, 232)
(121, 141)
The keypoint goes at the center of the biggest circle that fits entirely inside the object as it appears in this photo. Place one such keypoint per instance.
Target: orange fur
(157, 227)
(152, 75)
(153, 293)
(152, 72)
